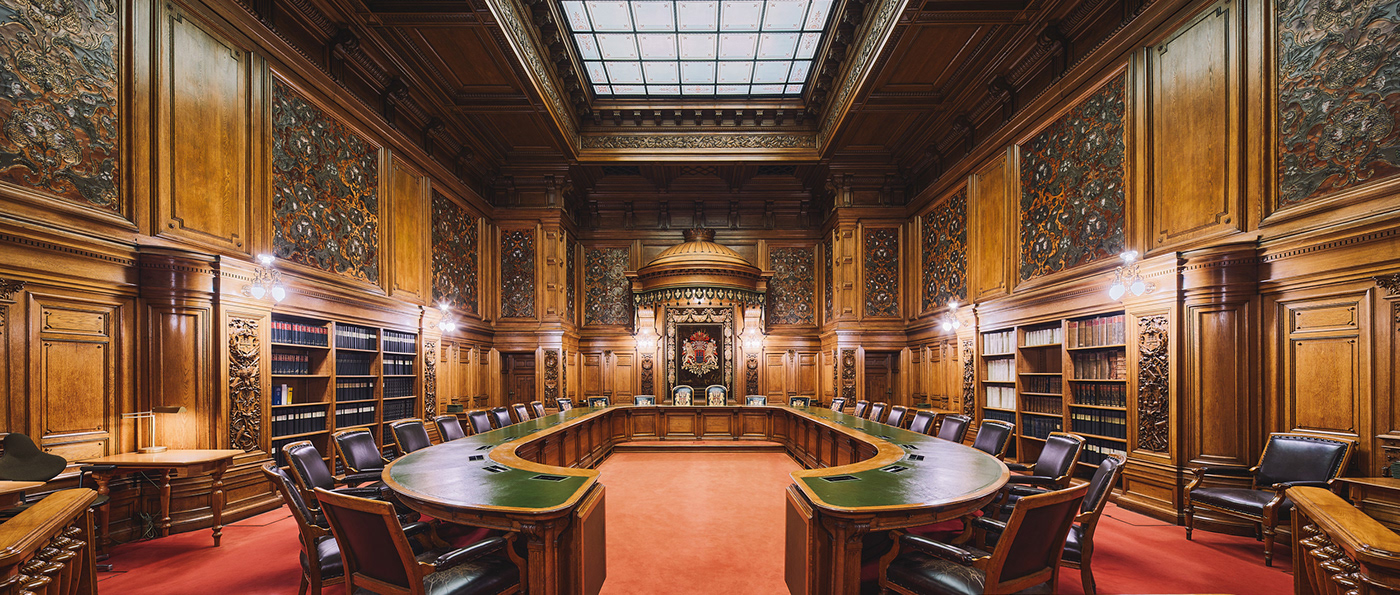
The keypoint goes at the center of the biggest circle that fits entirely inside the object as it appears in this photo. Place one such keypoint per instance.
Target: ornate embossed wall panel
(59, 102)
(848, 375)
(407, 205)
(518, 273)
(1153, 384)
(1072, 185)
(792, 289)
(430, 365)
(607, 294)
(882, 272)
(1338, 94)
(205, 190)
(244, 384)
(988, 208)
(325, 180)
(455, 243)
(945, 252)
(969, 380)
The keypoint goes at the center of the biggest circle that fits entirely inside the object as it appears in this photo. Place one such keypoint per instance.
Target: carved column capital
(1390, 283)
(8, 289)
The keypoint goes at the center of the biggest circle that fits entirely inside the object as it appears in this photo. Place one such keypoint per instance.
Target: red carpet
(699, 523)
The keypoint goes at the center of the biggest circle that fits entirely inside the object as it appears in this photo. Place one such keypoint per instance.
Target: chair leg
(1190, 519)
(301, 590)
(1268, 546)
(1086, 575)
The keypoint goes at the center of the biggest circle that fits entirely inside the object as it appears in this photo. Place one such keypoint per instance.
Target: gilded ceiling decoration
(792, 290)
(454, 255)
(945, 252)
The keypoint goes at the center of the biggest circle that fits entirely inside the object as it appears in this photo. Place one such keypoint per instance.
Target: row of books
(1041, 404)
(296, 333)
(354, 415)
(354, 337)
(1005, 416)
(398, 409)
(354, 364)
(400, 342)
(1039, 427)
(281, 394)
(396, 365)
(1101, 394)
(1040, 384)
(1096, 450)
(1099, 422)
(1045, 336)
(276, 450)
(1102, 365)
(398, 387)
(1001, 370)
(291, 363)
(999, 342)
(1105, 330)
(298, 420)
(354, 390)
(1001, 397)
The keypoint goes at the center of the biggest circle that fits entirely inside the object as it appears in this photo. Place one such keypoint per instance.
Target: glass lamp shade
(947, 326)
(257, 291)
(1138, 287)
(1116, 290)
(279, 293)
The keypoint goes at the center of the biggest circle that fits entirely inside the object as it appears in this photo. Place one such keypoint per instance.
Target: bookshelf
(997, 377)
(329, 375)
(1039, 386)
(1098, 384)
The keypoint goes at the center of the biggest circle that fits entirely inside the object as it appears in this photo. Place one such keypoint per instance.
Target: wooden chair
(954, 428)
(599, 401)
(862, 409)
(838, 404)
(799, 401)
(755, 400)
(1052, 470)
(644, 399)
(565, 404)
(1027, 555)
(1288, 460)
(897, 416)
(536, 409)
(522, 413)
(320, 555)
(923, 421)
(682, 395)
(410, 435)
(716, 395)
(501, 416)
(379, 559)
(479, 420)
(310, 472)
(877, 411)
(993, 436)
(359, 453)
(449, 427)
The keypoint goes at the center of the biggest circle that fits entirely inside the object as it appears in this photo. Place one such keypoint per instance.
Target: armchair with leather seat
(799, 401)
(954, 428)
(378, 558)
(536, 409)
(1289, 460)
(449, 427)
(310, 472)
(1052, 470)
(897, 415)
(993, 436)
(682, 395)
(479, 420)
(1027, 556)
(644, 399)
(923, 422)
(877, 411)
(522, 413)
(599, 401)
(565, 404)
(320, 556)
(501, 416)
(838, 404)
(359, 453)
(410, 435)
(862, 409)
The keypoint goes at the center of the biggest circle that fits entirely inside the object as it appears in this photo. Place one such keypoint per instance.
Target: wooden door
(879, 376)
(518, 369)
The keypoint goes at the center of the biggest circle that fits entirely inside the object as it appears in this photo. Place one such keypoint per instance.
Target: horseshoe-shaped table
(536, 478)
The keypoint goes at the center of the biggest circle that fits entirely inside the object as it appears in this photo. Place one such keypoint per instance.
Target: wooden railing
(49, 548)
(1338, 550)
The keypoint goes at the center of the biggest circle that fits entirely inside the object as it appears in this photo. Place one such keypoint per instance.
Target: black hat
(23, 461)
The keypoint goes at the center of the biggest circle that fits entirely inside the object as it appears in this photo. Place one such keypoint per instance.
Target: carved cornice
(511, 14)
(701, 141)
(879, 29)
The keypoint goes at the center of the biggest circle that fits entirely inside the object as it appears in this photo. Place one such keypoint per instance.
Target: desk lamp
(151, 415)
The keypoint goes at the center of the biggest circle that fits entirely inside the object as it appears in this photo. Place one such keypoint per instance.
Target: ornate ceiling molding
(510, 14)
(872, 42)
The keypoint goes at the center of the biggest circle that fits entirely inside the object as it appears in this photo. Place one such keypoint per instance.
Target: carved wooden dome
(701, 265)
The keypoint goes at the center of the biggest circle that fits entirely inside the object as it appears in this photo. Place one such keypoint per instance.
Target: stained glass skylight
(697, 48)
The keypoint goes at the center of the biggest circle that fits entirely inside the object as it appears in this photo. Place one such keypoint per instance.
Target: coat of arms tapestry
(699, 354)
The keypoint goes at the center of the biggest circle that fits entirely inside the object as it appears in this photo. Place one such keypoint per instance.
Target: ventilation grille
(476, 457)
(915, 457)
(544, 477)
(486, 447)
(495, 469)
(840, 478)
(894, 469)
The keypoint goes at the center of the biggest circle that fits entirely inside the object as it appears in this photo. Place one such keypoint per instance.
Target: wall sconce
(151, 415)
(646, 339)
(1127, 279)
(753, 339)
(950, 320)
(448, 322)
(266, 281)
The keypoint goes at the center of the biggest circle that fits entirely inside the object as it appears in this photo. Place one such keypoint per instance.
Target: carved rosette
(648, 379)
(969, 400)
(848, 373)
(429, 379)
(751, 374)
(244, 384)
(551, 377)
(1153, 406)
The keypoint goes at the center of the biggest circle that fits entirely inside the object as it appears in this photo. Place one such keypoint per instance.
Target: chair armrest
(989, 525)
(1279, 487)
(1034, 480)
(416, 528)
(1019, 466)
(359, 478)
(1231, 471)
(471, 552)
(941, 550)
(372, 493)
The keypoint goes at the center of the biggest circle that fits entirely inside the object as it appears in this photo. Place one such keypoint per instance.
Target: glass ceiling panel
(697, 48)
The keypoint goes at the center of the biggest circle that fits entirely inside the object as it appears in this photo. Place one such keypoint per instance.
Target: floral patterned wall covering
(325, 181)
(945, 252)
(58, 100)
(518, 273)
(607, 294)
(570, 279)
(882, 272)
(454, 255)
(792, 292)
(1072, 181)
(1339, 96)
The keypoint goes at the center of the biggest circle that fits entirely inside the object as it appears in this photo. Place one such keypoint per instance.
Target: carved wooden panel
(244, 384)
(969, 380)
(430, 379)
(988, 216)
(805, 372)
(848, 375)
(455, 241)
(518, 273)
(882, 272)
(1195, 119)
(792, 290)
(945, 252)
(408, 199)
(1154, 384)
(551, 377)
(1326, 366)
(775, 376)
(204, 189)
(607, 294)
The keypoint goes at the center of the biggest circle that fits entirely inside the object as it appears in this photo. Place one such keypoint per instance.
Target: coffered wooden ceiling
(495, 94)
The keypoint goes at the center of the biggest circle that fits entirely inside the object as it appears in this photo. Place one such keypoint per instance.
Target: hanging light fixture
(448, 322)
(950, 320)
(267, 281)
(753, 339)
(646, 339)
(1127, 279)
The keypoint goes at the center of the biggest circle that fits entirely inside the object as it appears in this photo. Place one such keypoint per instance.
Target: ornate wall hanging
(1154, 402)
(518, 273)
(454, 255)
(751, 374)
(945, 252)
(244, 384)
(969, 405)
(1072, 185)
(607, 291)
(792, 290)
(429, 379)
(688, 352)
(882, 272)
(648, 378)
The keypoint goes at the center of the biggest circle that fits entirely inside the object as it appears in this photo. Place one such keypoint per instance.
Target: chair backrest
(993, 436)
(755, 400)
(522, 412)
(1028, 552)
(682, 395)
(480, 421)
(599, 401)
(1300, 457)
(799, 401)
(954, 428)
(1058, 456)
(923, 421)
(716, 394)
(308, 467)
(373, 546)
(358, 451)
(838, 404)
(24, 461)
(449, 427)
(565, 404)
(501, 416)
(1101, 485)
(863, 408)
(410, 435)
(644, 399)
(896, 416)
(877, 411)
(536, 409)
(306, 523)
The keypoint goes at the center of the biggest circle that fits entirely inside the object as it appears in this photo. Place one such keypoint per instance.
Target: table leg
(217, 503)
(103, 480)
(165, 502)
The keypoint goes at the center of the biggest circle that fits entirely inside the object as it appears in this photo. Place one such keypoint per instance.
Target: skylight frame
(764, 46)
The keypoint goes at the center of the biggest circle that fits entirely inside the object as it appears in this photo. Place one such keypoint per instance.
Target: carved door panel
(519, 372)
(879, 376)
(804, 373)
(76, 364)
(775, 376)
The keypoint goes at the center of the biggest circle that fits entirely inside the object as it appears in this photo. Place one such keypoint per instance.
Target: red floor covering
(715, 528)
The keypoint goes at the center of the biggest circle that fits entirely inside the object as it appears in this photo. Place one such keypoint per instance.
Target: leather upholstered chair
(536, 409)
(799, 401)
(923, 421)
(862, 409)
(838, 404)
(410, 435)
(644, 399)
(310, 472)
(682, 395)
(320, 555)
(1289, 460)
(897, 415)
(449, 427)
(599, 401)
(479, 420)
(358, 451)
(1028, 554)
(1052, 470)
(954, 428)
(522, 413)
(379, 559)
(755, 400)
(716, 394)
(993, 436)
(877, 411)
(501, 416)
(565, 404)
